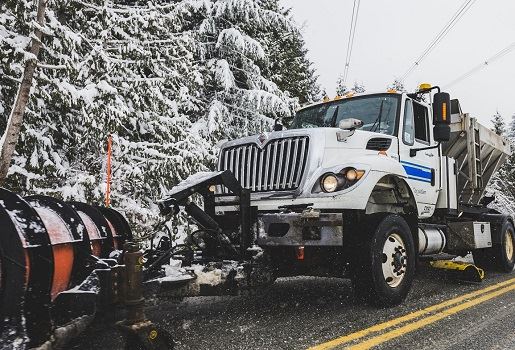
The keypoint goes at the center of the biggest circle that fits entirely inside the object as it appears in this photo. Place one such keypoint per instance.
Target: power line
(350, 42)
(450, 24)
(445, 30)
(482, 65)
(352, 33)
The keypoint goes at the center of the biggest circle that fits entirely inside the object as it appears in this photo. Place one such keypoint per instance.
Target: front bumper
(309, 228)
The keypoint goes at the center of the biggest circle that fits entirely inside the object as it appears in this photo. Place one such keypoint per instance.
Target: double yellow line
(420, 318)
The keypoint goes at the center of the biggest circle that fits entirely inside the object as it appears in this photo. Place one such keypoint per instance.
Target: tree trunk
(12, 131)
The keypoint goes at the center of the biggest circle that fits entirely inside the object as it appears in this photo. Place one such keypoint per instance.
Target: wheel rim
(394, 260)
(509, 245)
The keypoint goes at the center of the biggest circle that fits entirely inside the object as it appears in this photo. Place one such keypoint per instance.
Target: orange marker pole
(108, 187)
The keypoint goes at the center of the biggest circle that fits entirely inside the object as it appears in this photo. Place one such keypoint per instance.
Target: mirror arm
(417, 94)
(413, 151)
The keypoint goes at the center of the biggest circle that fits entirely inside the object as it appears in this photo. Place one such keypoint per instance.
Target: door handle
(429, 154)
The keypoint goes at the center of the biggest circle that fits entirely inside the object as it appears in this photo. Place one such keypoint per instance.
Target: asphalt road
(299, 313)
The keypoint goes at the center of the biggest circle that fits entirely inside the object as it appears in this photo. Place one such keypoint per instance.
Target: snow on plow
(48, 252)
(219, 258)
(64, 263)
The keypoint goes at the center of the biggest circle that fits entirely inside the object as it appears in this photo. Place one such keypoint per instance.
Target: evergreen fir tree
(112, 77)
(498, 123)
(289, 66)
(358, 88)
(341, 87)
(168, 79)
(502, 184)
(397, 85)
(510, 132)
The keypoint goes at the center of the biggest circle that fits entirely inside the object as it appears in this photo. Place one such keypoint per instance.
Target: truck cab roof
(350, 95)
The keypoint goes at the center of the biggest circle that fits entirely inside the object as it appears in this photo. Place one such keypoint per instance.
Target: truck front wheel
(383, 262)
(501, 257)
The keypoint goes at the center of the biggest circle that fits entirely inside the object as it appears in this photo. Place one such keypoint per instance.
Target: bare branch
(51, 66)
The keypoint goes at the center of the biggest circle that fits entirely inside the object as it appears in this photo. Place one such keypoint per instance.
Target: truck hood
(329, 148)
(356, 139)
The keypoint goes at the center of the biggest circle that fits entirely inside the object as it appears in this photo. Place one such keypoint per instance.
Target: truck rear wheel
(501, 257)
(383, 265)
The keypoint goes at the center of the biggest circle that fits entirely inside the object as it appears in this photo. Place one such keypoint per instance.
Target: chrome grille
(277, 166)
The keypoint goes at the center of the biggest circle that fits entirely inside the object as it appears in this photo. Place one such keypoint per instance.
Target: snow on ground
(212, 274)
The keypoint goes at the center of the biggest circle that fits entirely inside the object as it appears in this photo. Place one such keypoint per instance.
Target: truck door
(423, 169)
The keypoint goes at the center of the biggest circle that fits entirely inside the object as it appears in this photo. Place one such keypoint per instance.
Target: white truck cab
(393, 124)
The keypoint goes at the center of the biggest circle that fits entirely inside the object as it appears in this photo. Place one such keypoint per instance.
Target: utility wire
(445, 30)
(350, 42)
(482, 65)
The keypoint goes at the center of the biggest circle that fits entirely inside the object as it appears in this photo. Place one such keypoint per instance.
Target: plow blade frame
(180, 197)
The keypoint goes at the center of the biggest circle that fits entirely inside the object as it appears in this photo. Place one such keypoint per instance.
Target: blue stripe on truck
(416, 165)
(417, 172)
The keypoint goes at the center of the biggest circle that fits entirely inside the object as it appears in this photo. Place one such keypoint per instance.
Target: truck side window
(421, 122)
(408, 134)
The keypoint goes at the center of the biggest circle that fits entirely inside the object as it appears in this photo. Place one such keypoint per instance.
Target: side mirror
(350, 124)
(278, 126)
(442, 116)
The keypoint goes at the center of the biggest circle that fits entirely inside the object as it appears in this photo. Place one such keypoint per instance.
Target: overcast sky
(390, 35)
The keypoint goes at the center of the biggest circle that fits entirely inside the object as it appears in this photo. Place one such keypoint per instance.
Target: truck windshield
(378, 113)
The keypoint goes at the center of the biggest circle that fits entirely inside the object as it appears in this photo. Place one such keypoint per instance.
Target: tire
(384, 259)
(501, 257)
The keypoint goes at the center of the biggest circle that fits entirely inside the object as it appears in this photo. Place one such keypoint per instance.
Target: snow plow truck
(362, 187)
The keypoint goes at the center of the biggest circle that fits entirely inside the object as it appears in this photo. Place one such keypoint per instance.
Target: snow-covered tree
(240, 98)
(167, 79)
(358, 88)
(104, 75)
(289, 66)
(498, 123)
(341, 86)
(510, 131)
(11, 134)
(397, 85)
(502, 184)
(342, 89)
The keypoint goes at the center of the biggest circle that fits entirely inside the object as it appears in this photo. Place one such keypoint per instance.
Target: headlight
(353, 175)
(329, 182)
(332, 182)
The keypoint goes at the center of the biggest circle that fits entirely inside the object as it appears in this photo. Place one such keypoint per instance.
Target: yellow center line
(428, 320)
(408, 317)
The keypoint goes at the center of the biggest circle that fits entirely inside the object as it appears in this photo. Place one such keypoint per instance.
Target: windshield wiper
(378, 120)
